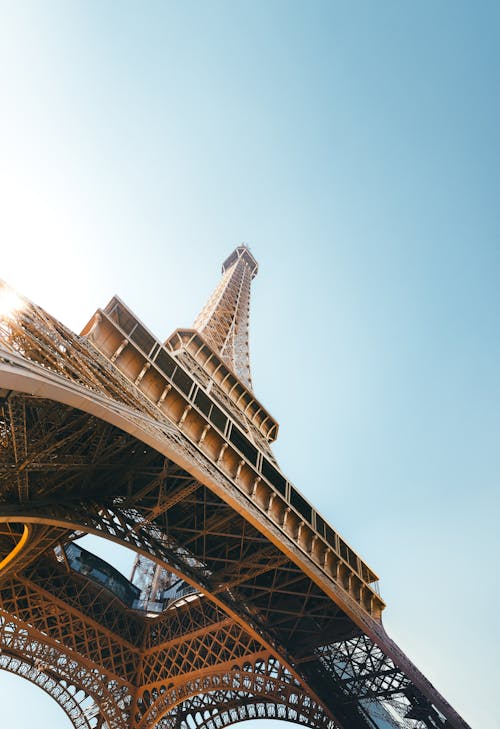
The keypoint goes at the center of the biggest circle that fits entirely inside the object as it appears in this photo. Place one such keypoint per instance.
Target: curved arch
(130, 538)
(22, 653)
(36, 538)
(217, 717)
(19, 546)
(268, 685)
(102, 523)
(22, 377)
(57, 689)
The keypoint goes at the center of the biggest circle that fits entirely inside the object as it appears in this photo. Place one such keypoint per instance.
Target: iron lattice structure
(246, 602)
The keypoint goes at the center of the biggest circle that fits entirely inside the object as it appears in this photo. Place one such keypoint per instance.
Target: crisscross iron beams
(224, 320)
(363, 669)
(258, 682)
(156, 498)
(217, 711)
(79, 707)
(111, 695)
(41, 339)
(186, 619)
(212, 648)
(56, 622)
(18, 433)
(37, 539)
(242, 571)
(240, 558)
(87, 600)
(86, 449)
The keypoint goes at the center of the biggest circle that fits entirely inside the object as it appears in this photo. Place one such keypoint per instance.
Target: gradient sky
(354, 147)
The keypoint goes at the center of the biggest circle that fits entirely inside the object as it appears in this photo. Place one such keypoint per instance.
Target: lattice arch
(198, 713)
(80, 708)
(213, 717)
(89, 701)
(265, 690)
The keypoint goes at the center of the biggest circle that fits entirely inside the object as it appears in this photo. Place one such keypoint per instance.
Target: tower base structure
(245, 602)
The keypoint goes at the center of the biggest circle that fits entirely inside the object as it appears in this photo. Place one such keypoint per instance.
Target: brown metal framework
(164, 448)
(224, 321)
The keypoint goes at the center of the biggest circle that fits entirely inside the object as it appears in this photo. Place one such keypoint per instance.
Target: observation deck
(211, 426)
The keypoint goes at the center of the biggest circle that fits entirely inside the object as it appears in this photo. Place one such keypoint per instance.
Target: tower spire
(224, 320)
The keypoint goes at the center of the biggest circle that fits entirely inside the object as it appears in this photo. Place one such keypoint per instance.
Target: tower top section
(224, 320)
(241, 252)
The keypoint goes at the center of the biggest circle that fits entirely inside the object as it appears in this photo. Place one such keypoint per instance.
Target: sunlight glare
(10, 303)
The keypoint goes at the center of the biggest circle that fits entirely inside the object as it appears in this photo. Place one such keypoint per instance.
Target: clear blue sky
(355, 148)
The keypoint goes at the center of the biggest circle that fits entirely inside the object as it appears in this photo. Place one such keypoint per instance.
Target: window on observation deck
(165, 362)
(273, 476)
(242, 444)
(97, 570)
(143, 339)
(299, 503)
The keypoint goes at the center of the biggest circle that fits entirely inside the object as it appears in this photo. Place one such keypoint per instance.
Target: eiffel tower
(244, 601)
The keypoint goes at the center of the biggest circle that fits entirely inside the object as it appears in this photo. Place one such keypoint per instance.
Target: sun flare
(10, 303)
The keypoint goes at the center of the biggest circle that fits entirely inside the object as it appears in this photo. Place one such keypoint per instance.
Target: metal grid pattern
(224, 321)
